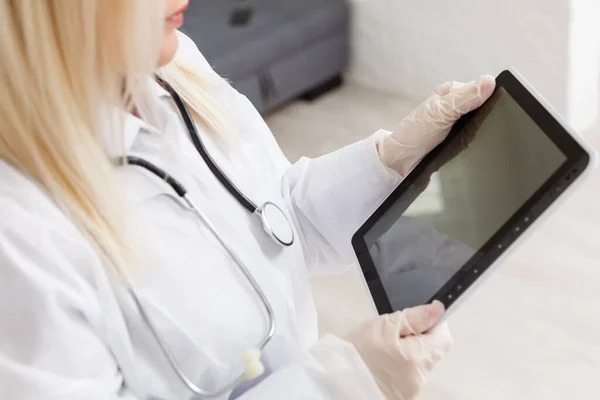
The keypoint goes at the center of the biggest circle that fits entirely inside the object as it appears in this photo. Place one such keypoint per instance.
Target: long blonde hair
(61, 63)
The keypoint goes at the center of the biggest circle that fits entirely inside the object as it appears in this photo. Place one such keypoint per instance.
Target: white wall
(409, 47)
(583, 91)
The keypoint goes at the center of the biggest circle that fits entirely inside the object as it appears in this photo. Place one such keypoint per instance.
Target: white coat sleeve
(331, 196)
(50, 338)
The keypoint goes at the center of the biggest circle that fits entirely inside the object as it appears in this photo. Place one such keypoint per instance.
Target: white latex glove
(427, 126)
(400, 348)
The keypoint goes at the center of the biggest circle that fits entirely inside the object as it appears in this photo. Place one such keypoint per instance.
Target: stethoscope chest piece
(276, 223)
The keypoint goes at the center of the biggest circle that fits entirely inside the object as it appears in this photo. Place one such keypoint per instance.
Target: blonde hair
(194, 86)
(61, 63)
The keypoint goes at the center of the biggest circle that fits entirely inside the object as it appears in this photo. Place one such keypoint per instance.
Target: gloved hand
(428, 125)
(400, 348)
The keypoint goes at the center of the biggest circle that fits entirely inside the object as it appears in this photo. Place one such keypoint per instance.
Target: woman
(102, 263)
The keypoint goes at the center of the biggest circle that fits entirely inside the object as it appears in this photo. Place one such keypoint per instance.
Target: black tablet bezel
(577, 161)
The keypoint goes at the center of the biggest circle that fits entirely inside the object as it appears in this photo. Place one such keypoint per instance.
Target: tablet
(465, 204)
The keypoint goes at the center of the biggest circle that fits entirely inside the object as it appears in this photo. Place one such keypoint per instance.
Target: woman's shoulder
(254, 128)
(189, 53)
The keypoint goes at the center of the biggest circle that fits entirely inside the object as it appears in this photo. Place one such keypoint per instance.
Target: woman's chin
(168, 48)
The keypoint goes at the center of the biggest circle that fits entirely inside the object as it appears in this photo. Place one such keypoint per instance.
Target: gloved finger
(467, 98)
(471, 126)
(417, 320)
(458, 85)
(439, 336)
(434, 345)
(446, 88)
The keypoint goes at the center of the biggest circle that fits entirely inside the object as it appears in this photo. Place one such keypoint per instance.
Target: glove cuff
(395, 155)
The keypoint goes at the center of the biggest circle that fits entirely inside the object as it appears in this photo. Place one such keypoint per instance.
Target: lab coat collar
(156, 90)
(131, 125)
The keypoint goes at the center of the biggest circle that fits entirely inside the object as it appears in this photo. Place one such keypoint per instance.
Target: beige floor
(532, 330)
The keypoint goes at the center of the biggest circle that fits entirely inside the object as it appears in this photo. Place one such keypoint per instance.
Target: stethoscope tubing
(210, 162)
(182, 192)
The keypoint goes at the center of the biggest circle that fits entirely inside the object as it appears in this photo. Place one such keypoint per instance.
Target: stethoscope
(275, 224)
(274, 221)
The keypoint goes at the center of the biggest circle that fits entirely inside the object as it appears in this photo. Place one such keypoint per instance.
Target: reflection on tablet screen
(488, 171)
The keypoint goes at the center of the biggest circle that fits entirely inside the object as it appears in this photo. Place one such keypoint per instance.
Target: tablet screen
(489, 169)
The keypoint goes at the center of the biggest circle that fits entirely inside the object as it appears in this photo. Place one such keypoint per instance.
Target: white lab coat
(70, 330)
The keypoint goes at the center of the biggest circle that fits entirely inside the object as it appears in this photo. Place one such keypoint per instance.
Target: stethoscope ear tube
(174, 183)
(195, 137)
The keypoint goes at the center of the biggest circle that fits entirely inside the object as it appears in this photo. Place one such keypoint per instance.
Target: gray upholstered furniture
(272, 50)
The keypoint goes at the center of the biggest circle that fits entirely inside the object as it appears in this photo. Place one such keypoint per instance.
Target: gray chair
(273, 50)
